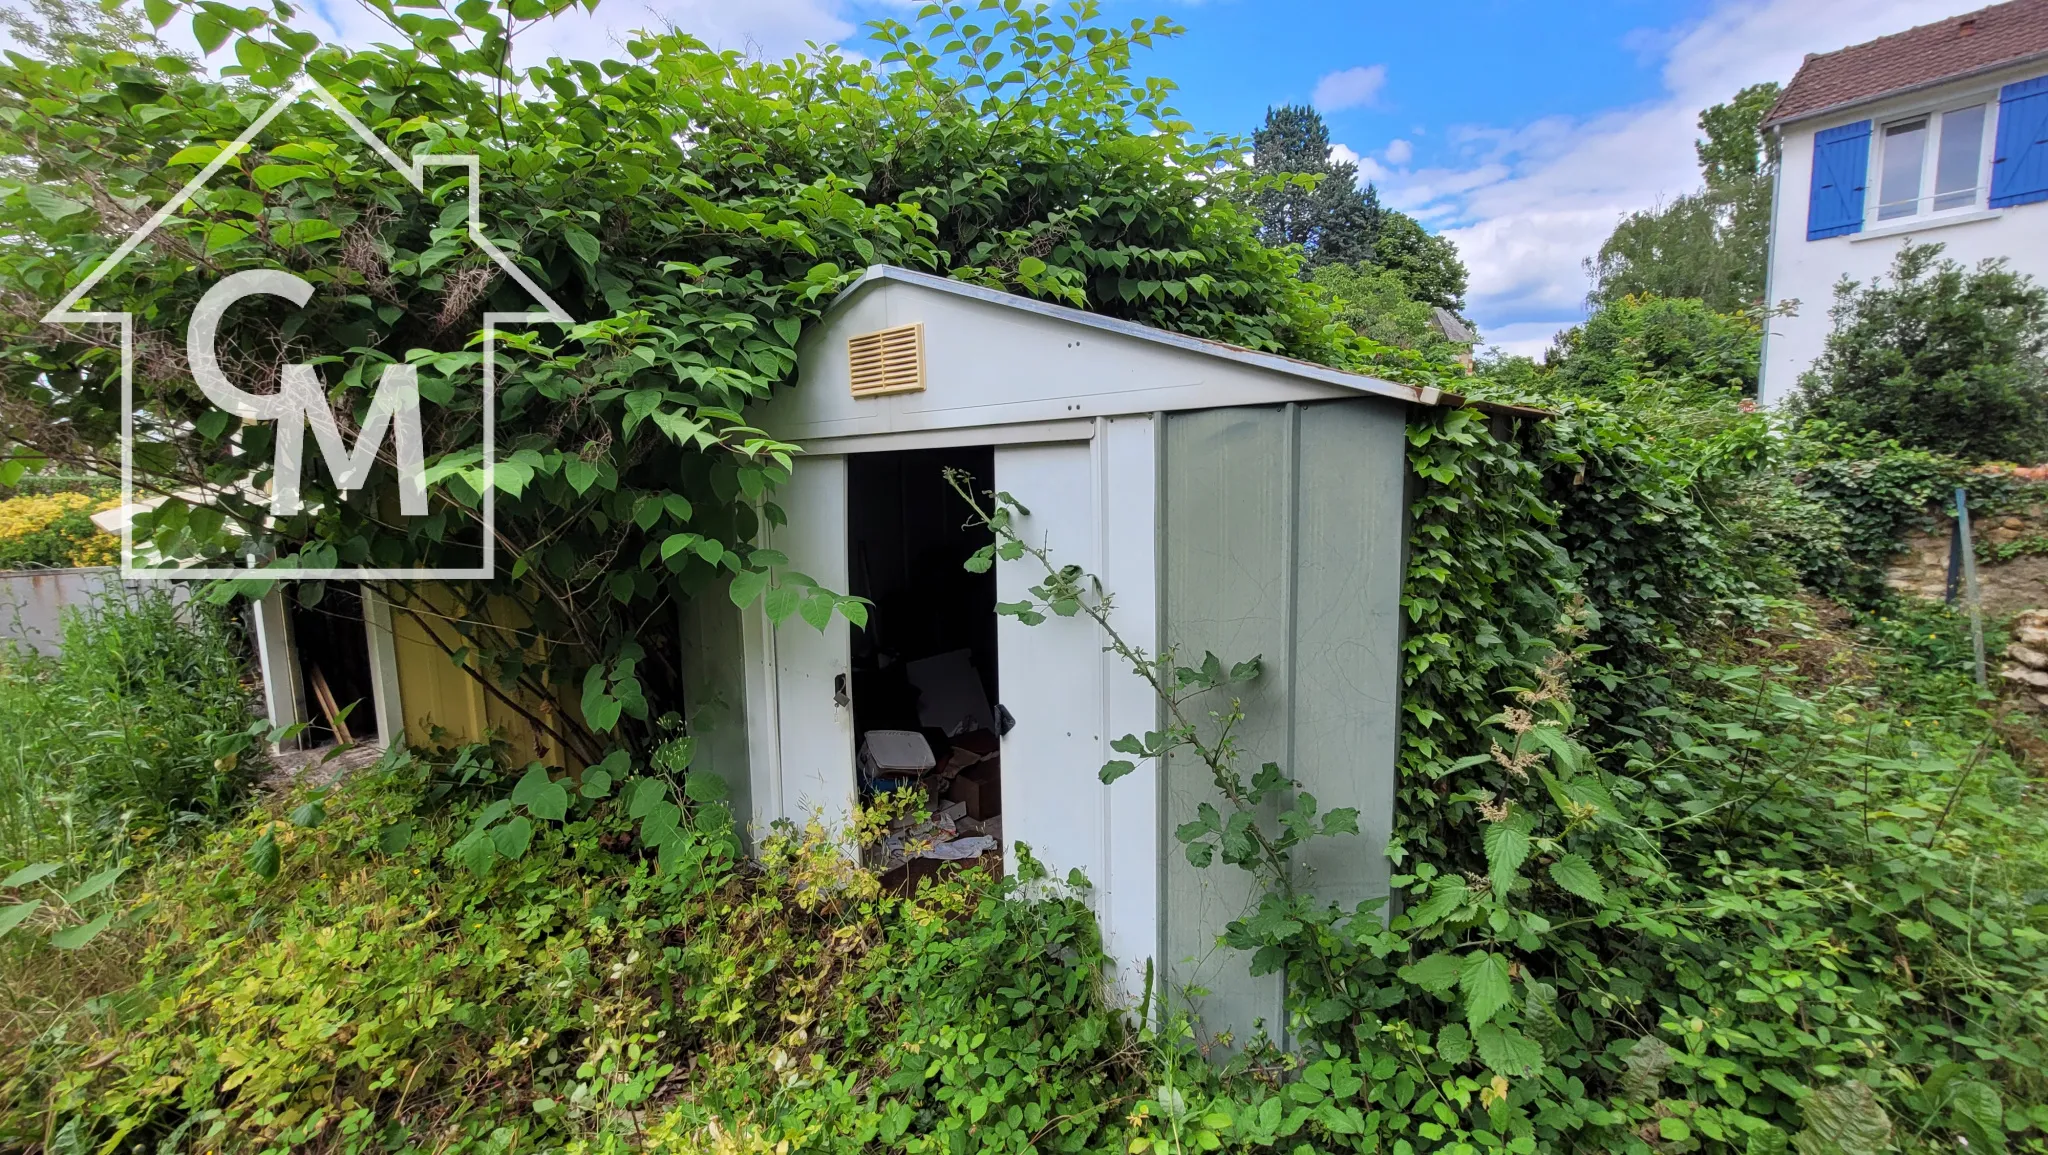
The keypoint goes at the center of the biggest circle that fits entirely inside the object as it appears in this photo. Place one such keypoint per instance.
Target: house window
(1932, 163)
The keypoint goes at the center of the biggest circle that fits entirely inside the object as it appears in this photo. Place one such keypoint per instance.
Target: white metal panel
(384, 698)
(1127, 473)
(800, 730)
(1091, 505)
(279, 662)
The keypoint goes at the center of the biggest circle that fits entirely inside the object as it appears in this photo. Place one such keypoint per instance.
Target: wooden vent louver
(887, 361)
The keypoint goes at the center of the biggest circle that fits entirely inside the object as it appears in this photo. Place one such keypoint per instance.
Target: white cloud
(1523, 338)
(1350, 88)
(768, 28)
(1399, 152)
(1532, 201)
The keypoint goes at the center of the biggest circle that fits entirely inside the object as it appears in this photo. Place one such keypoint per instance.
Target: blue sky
(1523, 131)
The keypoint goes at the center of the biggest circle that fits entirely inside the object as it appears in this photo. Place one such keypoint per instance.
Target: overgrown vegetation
(55, 530)
(141, 730)
(1688, 859)
(1938, 357)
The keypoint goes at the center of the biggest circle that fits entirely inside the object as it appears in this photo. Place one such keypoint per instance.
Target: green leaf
(1507, 847)
(1575, 874)
(198, 155)
(262, 856)
(477, 852)
(269, 176)
(13, 916)
(512, 837)
(74, 937)
(530, 785)
(210, 31)
(817, 609)
(34, 872)
(1115, 769)
(1507, 1051)
(552, 803)
(1484, 979)
(1454, 1043)
(596, 783)
(643, 795)
(94, 885)
(1979, 1113)
(583, 243)
(304, 232)
(1435, 974)
(782, 601)
(703, 787)
(1843, 1119)
(51, 205)
(311, 812)
(395, 837)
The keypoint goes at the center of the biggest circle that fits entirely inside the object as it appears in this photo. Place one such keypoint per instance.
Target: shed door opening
(926, 712)
(333, 650)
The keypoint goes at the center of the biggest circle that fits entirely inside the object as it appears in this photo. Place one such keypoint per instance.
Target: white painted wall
(1807, 271)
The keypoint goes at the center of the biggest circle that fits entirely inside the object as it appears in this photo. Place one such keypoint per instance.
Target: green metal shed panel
(1284, 534)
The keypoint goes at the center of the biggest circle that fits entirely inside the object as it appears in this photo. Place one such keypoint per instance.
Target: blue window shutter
(1841, 165)
(2019, 159)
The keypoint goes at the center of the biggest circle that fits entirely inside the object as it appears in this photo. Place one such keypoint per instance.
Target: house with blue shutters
(1938, 134)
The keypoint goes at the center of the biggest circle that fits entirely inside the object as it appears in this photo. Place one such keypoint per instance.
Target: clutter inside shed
(927, 716)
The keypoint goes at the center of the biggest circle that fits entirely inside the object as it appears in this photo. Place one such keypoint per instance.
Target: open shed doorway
(333, 652)
(926, 702)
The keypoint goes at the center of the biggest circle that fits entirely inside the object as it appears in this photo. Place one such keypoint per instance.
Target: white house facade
(1936, 135)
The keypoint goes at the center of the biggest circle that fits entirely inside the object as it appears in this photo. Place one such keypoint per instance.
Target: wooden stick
(325, 697)
(1970, 589)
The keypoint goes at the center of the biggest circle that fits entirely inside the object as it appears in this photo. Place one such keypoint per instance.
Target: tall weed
(142, 728)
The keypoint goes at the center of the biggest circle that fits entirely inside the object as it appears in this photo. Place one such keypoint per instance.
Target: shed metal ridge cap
(1423, 395)
(1902, 90)
(1498, 408)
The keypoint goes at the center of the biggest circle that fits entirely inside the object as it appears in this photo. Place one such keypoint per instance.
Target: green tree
(1329, 216)
(628, 479)
(1677, 344)
(1380, 304)
(1427, 263)
(1711, 244)
(1937, 357)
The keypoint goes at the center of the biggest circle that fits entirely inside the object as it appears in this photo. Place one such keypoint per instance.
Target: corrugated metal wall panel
(1228, 522)
(1352, 535)
(1285, 530)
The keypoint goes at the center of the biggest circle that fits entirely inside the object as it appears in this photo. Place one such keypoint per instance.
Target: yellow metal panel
(445, 704)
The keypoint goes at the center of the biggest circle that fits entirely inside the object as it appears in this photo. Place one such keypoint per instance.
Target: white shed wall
(1093, 504)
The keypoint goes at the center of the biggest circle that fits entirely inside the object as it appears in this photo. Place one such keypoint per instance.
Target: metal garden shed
(1230, 500)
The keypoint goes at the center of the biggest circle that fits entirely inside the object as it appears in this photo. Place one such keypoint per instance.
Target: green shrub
(143, 727)
(1680, 343)
(1938, 358)
(54, 531)
(379, 994)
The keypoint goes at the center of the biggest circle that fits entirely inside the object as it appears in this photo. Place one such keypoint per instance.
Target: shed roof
(1949, 49)
(1270, 361)
(1289, 367)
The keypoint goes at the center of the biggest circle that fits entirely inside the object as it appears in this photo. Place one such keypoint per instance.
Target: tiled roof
(1957, 46)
